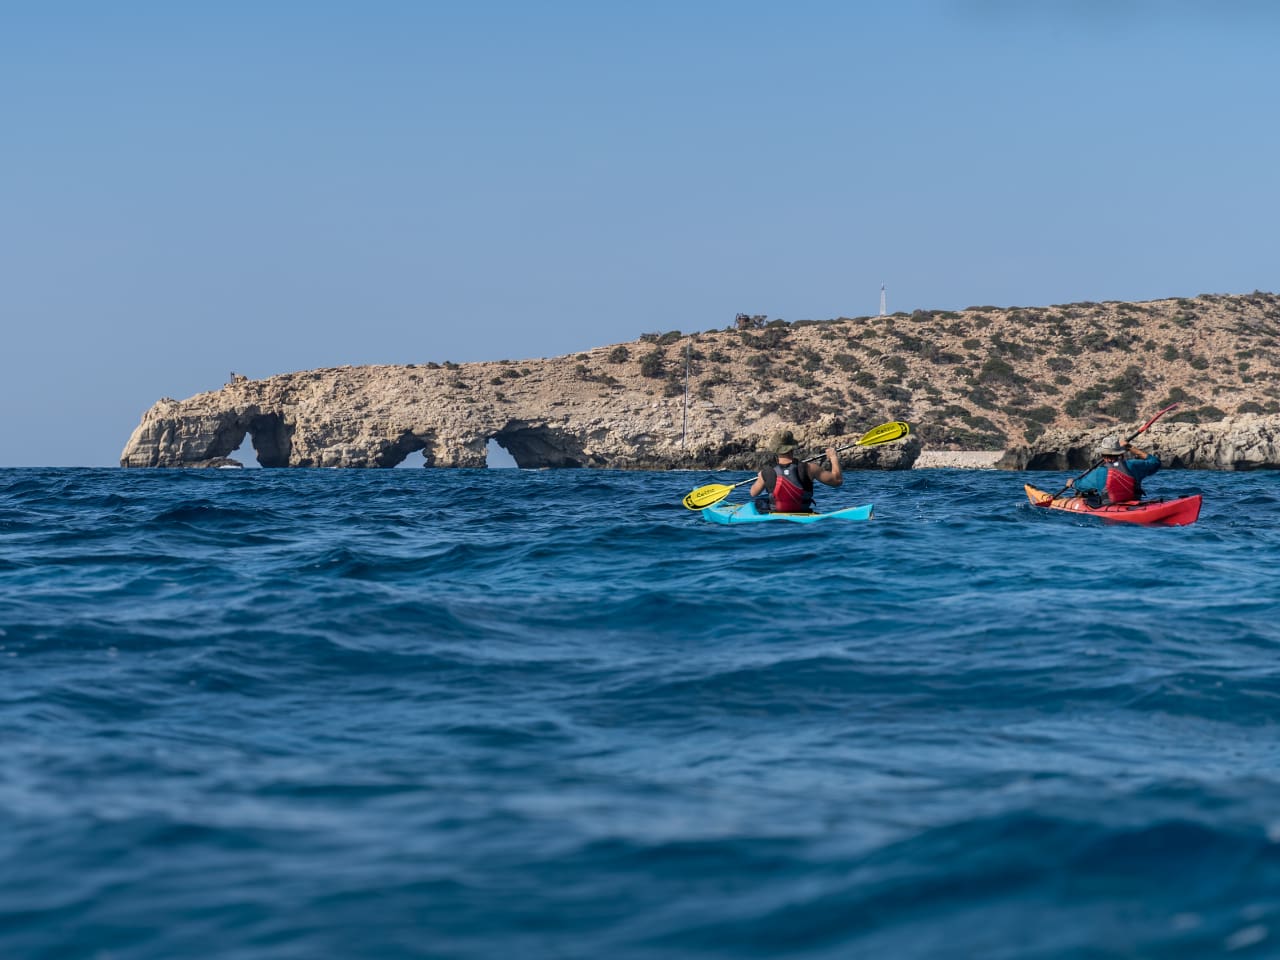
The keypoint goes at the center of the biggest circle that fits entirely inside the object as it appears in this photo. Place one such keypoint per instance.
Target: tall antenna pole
(684, 430)
(882, 299)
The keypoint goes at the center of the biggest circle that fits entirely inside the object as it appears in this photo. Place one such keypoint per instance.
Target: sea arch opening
(263, 440)
(498, 457)
(245, 454)
(536, 446)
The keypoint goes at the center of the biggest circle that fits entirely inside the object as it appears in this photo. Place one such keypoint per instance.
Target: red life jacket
(1122, 485)
(792, 488)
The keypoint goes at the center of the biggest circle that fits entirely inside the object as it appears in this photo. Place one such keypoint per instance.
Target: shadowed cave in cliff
(263, 440)
(533, 447)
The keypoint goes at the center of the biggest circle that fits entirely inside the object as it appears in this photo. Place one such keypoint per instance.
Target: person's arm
(757, 487)
(1140, 463)
(832, 477)
(1092, 482)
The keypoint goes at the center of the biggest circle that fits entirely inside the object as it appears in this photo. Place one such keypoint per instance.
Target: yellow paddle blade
(884, 433)
(706, 496)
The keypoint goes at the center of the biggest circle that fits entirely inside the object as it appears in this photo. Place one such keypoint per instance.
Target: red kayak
(1177, 512)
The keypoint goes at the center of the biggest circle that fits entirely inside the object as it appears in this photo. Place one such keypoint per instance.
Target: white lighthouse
(882, 299)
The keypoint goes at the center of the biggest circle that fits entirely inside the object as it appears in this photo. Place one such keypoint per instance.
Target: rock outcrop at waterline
(978, 379)
(1238, 443)
(377, 416)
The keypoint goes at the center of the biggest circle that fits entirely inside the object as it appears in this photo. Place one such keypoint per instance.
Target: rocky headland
(1041, 384)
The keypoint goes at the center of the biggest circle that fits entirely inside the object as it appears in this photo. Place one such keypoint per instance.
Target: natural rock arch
(537, 446)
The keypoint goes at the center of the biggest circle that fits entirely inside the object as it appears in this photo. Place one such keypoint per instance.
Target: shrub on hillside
(1117, 397)
(652, 365)
(997, 371)
(771, 338)
(799, 409)
(909, 343)
(844, 361)
(809, 359)
(661, 339)
(1096, 341)
(984, 398)
(894, 392)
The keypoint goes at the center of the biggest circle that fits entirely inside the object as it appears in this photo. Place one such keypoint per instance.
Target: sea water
(481, 714)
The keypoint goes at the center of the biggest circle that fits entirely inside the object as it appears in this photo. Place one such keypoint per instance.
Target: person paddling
(1118, 479)
(787, 486)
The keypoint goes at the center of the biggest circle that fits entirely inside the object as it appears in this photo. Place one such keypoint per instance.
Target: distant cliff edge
(1041, 383)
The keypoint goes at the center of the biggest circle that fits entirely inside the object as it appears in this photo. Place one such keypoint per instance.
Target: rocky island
(1040, 383)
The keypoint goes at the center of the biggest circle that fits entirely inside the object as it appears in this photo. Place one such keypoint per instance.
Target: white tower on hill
(882, 299)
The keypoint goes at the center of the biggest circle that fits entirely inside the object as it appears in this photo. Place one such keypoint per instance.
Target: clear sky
(190, 189)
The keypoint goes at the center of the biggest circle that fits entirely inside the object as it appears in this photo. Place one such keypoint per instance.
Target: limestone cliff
(538, 411)
(981, 378)
(1247, 442)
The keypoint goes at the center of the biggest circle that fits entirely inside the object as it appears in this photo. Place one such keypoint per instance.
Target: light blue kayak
(747, 513)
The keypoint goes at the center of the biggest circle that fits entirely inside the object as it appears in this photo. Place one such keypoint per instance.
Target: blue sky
(191, 189)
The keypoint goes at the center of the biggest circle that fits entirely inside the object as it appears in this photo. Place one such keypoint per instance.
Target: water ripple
(552, 713)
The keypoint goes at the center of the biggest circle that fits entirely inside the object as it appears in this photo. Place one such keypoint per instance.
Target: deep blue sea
(523, 714)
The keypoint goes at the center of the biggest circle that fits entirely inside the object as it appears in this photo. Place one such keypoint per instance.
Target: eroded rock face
(544, 417)
(1247, 442)
(978, 379)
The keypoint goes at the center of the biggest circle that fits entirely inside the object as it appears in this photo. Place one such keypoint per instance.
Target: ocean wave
(554, 713)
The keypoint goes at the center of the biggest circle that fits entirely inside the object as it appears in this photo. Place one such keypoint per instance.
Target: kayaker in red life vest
(789, 483)
(1119, 477)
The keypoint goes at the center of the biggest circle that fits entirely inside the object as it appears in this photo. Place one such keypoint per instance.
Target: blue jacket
(1095, 481)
